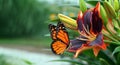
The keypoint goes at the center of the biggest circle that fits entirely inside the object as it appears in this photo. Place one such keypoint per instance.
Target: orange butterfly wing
(60, 38)
(62, 34)
(58, 47)
(53, 31)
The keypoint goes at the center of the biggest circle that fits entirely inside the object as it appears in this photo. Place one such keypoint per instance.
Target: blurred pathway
(35, 58)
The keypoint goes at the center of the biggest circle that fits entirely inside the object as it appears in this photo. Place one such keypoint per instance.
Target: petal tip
(98, 5)
(80, 15)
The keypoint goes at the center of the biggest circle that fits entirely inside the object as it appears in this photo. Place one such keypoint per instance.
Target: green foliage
(103, 62)
(83, 6)
(117, 49)
(92, 3)
(118, 58)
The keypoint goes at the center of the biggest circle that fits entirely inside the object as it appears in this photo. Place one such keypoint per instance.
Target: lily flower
(89, 26)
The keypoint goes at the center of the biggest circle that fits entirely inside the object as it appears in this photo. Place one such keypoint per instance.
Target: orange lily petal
(104, 46)
(96, 50)
(83, 48)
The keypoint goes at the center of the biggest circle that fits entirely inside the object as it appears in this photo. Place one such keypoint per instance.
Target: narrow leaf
(83, 6)
(92, 3)
(103, 62)
(118, 58)
(117, 49)
(106, 57)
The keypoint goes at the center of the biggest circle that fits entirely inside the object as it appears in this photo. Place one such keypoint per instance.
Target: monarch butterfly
(60, 38)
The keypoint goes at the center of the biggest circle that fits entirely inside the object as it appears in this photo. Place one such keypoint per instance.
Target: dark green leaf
(103, 62)
(117, 49)
(92, 3)
(107, 57)
(86, 57)
(118, 58)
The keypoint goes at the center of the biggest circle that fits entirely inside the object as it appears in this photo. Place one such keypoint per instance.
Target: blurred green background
(20, 18)
(26, 21)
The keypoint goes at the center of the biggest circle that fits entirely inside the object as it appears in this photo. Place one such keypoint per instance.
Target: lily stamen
(87, 31)
(82, 39)
(87, 36)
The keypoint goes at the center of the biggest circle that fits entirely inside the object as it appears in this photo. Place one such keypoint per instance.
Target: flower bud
(116, 5)
(115, 24)
(68, 22)
(111, 2)
(110, 27)
(109, 10)
(103, 15)
(119, 4)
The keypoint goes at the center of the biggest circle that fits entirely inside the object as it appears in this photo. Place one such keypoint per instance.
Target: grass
(44, 41)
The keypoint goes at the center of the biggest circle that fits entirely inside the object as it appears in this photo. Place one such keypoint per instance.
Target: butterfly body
(60, 38)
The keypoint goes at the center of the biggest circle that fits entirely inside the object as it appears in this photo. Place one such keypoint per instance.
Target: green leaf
(117, 49)
(92, 3)
(70, 61)
(110, 42)
(83, 6)
(103, 62)
(118, 58)
(107, 57)
(112, 38)
(83, 57)
(28, 62)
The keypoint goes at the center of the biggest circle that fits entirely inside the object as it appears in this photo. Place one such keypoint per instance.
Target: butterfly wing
(62, 34)
(53, 31)
(60, 38)
(58, 47)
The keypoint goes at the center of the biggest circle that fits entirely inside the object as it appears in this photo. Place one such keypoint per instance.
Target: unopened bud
(109, 10)
(103, 15)
(116, 5)
(68, 22)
